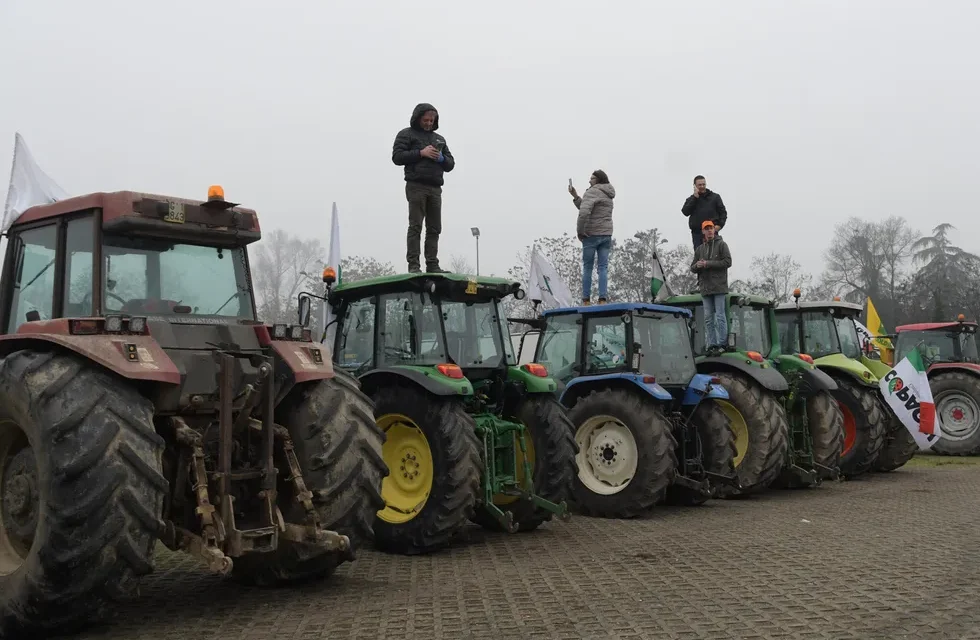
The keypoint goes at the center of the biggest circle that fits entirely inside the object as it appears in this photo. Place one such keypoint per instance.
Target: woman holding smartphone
(594, 229)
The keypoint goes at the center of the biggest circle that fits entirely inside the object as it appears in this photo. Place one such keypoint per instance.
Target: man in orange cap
(712, 259)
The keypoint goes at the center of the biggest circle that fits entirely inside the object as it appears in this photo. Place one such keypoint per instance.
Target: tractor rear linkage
(220, 539)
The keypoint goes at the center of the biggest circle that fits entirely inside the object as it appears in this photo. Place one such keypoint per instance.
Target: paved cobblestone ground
(892, 556)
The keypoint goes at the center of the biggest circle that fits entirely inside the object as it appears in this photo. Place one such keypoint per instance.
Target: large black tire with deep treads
(898, 449)
(949, 389)
(865, 424)
(825, 423)
(457, 473)
(338, 446)
(714, 430)
(554, 469)
(81, 461)
(768, 435)
(654, 443)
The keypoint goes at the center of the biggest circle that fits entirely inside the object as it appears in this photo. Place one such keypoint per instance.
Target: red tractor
(141, 399)
(949, 351)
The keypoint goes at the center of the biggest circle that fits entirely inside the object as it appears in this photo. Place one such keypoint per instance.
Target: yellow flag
(876, 328)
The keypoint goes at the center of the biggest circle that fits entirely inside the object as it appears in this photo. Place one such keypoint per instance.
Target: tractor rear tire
(826, 424)
(553, 465)
(338, 446)
(951, 391)
(717, 451)
(899, 447)
(83, 492)
(455, 472)
(653, 448)
(865, 424)
(767, 444)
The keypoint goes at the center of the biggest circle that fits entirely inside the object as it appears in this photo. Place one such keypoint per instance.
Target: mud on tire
(717, 449)
(457, 474)
(768, 434)
(98, 464)
(554, 469)
(898, 449)
(967, 386)
(338, 446)
(865, 424)
(656, 463)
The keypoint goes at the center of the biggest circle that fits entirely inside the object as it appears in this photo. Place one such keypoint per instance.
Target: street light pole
(476, 234)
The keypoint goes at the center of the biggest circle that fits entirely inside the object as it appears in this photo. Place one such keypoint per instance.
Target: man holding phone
(704, 204)
(426, 157)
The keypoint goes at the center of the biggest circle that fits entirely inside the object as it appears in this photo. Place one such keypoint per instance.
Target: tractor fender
(701, 388)
(581, 386)
(813, 381)
(136, 357)
(965, 367)
(307, 360)
(769, 378)
(426, 377)
(840, 372)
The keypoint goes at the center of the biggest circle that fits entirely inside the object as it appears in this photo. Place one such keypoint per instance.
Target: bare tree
(630, 266)
(282, 267)
(460, 264)
(358, 268)
(775, 276)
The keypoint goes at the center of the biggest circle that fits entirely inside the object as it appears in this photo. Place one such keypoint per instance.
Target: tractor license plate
(175, 213)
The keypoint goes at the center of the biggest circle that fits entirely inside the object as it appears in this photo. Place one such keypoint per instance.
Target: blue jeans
(591, 246)
(715, 324)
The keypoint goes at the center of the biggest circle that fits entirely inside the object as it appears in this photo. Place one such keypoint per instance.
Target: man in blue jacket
(426, 157)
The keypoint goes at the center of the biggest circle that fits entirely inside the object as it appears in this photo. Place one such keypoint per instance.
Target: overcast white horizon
(799, 114)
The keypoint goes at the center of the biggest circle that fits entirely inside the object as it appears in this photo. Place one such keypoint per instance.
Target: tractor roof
(486, 287)
(937, 326)
(816, 305)
(695, 299)
(616, 307)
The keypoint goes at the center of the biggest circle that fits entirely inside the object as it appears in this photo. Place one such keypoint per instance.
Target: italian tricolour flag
(906, 390)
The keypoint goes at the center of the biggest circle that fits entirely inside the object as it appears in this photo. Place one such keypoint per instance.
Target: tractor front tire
(766, 441)
(865, 424)
(622, 436)
(717, 451)
(83, 492)
(436, 478)
(957, 399)
(548, 432)
(899, 447)
(338, 447)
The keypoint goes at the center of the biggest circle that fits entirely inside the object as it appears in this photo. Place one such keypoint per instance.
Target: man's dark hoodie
(408, 147)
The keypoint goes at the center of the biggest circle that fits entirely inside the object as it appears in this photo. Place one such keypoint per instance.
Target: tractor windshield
(751, 328)
(938, 346)
(558, 345)
(474, 336)
(149, 276)
(850, 343)
(665, 348)
(820, 334)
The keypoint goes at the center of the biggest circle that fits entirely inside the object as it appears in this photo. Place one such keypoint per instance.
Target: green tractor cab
(874, 439)
(791, 425)
(649, 428)
(470, 434)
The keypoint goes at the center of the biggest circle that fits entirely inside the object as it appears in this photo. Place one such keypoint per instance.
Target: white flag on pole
(333, 260)
(29, 185)
(544, 283)
(866, 337)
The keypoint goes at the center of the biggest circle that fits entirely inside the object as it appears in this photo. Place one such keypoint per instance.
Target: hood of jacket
(607, 189)
(420, 109)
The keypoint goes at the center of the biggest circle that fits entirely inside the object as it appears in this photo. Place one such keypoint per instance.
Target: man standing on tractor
(426, 157)
(712, 259)
(704, 204)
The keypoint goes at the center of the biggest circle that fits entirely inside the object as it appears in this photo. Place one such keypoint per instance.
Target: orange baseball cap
(706, 224)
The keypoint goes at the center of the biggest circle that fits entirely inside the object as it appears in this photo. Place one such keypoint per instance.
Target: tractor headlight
(279, 331)
(296, 332)
(137, 324)
(113, 324)
(519, 294)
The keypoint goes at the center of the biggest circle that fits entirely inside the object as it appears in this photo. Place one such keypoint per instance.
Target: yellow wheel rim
(410, 471)
(740, 429)
(501, 499)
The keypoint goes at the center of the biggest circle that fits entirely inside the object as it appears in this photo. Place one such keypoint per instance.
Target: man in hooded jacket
(712, 260)
(426, 157)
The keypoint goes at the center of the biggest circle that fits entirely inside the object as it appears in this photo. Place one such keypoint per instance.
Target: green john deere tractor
(470, 435)
(826, 332)
(781, 404)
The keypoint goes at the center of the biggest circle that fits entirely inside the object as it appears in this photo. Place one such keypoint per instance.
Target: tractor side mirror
(33, 315)
(305, 307)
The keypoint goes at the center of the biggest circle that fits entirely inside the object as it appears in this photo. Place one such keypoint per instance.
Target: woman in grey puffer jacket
(595, 230)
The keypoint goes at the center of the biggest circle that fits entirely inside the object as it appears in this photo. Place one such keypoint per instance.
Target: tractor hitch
(730, 481)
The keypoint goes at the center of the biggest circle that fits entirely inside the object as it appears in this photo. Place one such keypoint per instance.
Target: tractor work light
(520, 294)
(296, 332)
(113, 324)
(137, 324)
(279, 331)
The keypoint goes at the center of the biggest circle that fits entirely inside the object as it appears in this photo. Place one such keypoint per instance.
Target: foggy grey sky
(799, 113)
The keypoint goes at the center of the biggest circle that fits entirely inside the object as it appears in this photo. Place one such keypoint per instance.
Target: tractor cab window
(820, 334)
(850, 343)
(968, 347)
(150, 276)
(665, 348)
(558, 346)
(473, 334)
(33, 276)
(355, 350)
(789, 333)
(606, 349)
(751, 328)
(410, 330)
(933, 346)
(79, 244)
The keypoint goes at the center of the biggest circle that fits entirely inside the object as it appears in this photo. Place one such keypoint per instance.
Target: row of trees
(909, 276)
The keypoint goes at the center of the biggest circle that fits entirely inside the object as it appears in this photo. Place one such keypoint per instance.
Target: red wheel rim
(850, 429)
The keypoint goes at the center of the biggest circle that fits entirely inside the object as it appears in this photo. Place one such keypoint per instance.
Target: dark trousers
(698, 238)
(424, 205)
